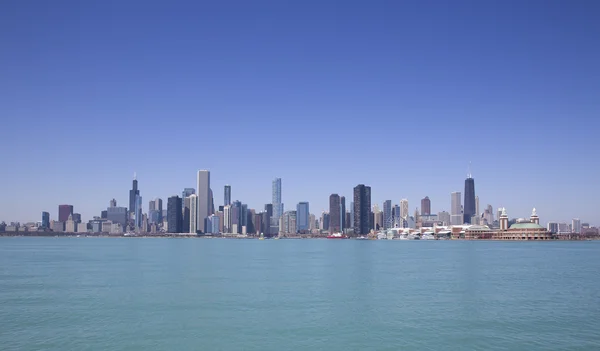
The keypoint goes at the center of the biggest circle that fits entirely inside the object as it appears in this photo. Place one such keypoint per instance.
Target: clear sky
(398, 95)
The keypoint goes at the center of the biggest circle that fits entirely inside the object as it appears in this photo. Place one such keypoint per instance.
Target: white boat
(412, 236)
(427, 236)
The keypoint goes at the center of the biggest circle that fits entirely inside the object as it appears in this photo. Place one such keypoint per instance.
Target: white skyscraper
(227, 219)
(204, 199)
(456, 216)
(404, 209)
(576, 226)
(193, 199)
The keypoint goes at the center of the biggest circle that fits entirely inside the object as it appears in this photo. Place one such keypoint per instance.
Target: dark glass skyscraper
(174, 215)
(334, 213)
(388, 221)
(469, 209)
(344, 223)
(362, 209)
(64, 211)
(302, 217)
(133, 194)
(227, 200)
(425, 206)
(45, 220)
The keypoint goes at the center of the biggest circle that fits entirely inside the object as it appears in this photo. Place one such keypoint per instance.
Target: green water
(218, 294)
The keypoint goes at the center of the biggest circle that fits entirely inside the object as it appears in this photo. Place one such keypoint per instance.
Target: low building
(478, 232)
(58, 226)
(523, 229)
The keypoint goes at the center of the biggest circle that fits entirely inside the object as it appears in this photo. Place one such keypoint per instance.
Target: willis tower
(469, 209)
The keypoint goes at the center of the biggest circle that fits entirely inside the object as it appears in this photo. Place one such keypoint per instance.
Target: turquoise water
(217, 294)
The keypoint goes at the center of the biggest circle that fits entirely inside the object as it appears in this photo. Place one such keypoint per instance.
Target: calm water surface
(193, 294)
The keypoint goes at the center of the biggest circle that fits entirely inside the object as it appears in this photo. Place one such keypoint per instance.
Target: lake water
(218, 294)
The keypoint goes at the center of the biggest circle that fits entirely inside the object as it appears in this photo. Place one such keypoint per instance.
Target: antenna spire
(469, 175)
(134, 176)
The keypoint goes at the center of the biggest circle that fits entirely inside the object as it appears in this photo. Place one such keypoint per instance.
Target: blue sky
(399, 95)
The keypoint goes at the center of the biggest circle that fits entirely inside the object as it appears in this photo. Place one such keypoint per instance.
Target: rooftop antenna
(134, 176)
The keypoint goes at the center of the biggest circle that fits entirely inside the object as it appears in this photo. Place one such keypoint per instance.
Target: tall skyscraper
(268, 220)
(351, 222)
(398, 222)
(137, 217)
(227, 200)
(362, 209)
(469, 209)
(174, 215)
(334, 213)
(456, 216)
(187, 220)
(388, 222)
(376, 218)
(344, 224)
(46, 220)
(132, 197)
(425, 206)
(227, 219)
(477, 213)
(276, 200)
(64, 211)
(404, 209)
(302, 217)
(204, 199)
(236, 217)
(576, 226)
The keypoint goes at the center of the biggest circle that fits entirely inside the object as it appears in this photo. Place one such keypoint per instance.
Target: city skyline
(285, 80)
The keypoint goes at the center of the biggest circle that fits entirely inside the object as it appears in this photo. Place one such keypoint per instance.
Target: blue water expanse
(194, 294)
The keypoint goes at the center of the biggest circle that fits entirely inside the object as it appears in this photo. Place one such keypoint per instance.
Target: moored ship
(337, 236)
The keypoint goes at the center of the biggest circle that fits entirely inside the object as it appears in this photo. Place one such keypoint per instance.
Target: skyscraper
(388, 222)
(187, 220)
(276, 200)
(456, 217)
(398, 222)
(132, 197)
(351, 223)
(344, 224)
(469, 209)
(46, 220)
(425, 206)
(204, 199)
(113, 203)
(227, 200)
(576, 226)
(362, 209)
(302, 217)
(267, 220)
(404, 209)
(64, 211)
(376, 218)
(334, 213)
(236, 217)
(174, 214)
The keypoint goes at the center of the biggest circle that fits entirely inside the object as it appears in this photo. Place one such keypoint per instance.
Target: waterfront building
(227, 219)
(277, 205)
(174, 215)
(456, 215)
(104, 214)
(227, 195)
(158, 206)
(469, 206)
(213, 224)
(58, 226)
(77, 217)
(269, 229)
(244, 216)
(115, 228)
(351, 222)
(303, 217)
(522, 229)
(186, 215)
(64, 211)
(425, 206)
(334, 213)
(45, 220)
(312, 221)
(221, 216)
(258, 223)
(477, 213)
(376, 218)
(204, 198)
(193, 213)
(362, 209)
(236, 217)
(106, 226)
(138, 212)
(82, 228)
(397, 219)
(576, 226)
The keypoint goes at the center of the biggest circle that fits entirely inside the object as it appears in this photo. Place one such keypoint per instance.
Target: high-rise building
(404, 209)
(64, 211)
(469, 209)
(343, 224)
(477, 213)
(174, 215)
(444, 217)
(553, 227)
(269, 229)
(397, 218)
(302, 217)
(334, 213)
(276, 200)
(325, 221)
(227, 219)
(236, 217)
(376, 218)
(186, 214)
(456, 216)
(388, 221)
(204, 199)
(70, 225)
(351, 222)
(45, 220)
(138, 212)
(184, 195)
(425, 206)
(193, 213)
(362, 209)
(576, 226)
(133, 193)
(117, 215)
(227, 200)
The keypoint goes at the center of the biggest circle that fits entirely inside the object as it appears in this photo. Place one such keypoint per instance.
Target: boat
(337, 236)
(362, 237)
(413, 237)
(427, 236)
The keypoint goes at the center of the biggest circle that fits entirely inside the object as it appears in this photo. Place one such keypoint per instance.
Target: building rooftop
(527, 225)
